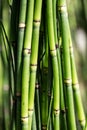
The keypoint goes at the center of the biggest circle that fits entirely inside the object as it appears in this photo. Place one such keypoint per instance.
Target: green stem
(21, 28)
(26, 64)
(76, 90)
(53, 53)
(34, 58)
(64, 25)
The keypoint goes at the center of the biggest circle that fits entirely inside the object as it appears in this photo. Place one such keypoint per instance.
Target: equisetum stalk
(62, 9)
(34, 58)
(26, 64)
(53, 53)
(37, 104)
(76, 90)
(34, 126)
(62, 104)
(21, 28)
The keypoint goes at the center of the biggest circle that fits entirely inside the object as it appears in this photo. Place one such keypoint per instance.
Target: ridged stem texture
(71, 124)
(76, 90)
(34, 58)
(26, 64)
(56, 103)
(21, 28)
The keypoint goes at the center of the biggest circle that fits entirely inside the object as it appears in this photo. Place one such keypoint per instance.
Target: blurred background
(77, 11)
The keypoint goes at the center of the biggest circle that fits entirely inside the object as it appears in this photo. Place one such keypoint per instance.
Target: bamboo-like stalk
(76, 90)
(63, 124)
(26, 64)
(21, 28)
(37, 104)
(62, 103)
(34, 58)
(56, 106)
(34, 126)
(67, 66)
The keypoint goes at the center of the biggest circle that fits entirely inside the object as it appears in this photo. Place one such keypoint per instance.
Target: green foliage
(39, 87)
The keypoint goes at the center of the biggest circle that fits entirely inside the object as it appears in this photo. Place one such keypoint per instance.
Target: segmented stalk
(34, 57)
(54, 64)
(26, 64)
(21, 28)
(76, 90)
(37, 104)
(62, 103)
(62, 10)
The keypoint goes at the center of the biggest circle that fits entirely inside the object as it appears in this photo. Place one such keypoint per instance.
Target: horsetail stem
(26, 64)
(51, 38)
(62, 9)
(21, 28)
(34, 58)
(76, 90)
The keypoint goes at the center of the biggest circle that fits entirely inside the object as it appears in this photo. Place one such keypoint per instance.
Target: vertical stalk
(26, 64)
(67, 66)
(34, 58)
(62, 103)
(37, 103)
(53, 53)
(76, 90)
(21, 28)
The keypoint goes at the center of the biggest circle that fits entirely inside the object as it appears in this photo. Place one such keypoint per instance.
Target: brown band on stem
(26, 50)
(33, 64)
(62, 8)
(57, 46)
(56, 111)
(53, 52)
(67, 81)
(18, 94)
(36, 21)
(30, 109)
(44, 127)
(23, 119)
(75, 86)
(82, 120)
(21, 25)
(75, 83)
(37, 85)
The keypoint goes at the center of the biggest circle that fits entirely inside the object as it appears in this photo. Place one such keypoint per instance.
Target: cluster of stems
(43, 80)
